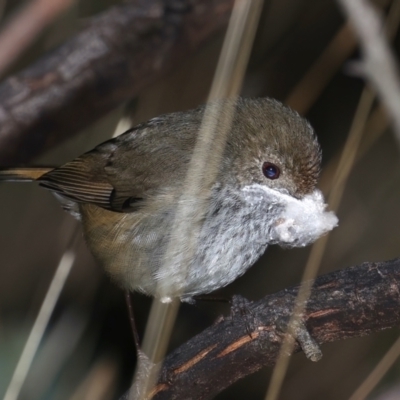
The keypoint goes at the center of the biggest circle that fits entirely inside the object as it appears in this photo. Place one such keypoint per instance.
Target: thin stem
(42, 320)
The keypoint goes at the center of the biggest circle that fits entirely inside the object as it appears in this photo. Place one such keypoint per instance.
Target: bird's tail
(22, 174)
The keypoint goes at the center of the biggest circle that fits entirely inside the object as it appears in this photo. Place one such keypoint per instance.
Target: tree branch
(25, 26)
(352, 302)
(120, 52)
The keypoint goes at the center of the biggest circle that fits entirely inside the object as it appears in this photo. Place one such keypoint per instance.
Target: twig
(349, 303)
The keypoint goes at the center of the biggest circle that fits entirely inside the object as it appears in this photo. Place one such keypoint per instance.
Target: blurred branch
(2, 7)
(309, 88)
(21, 30)
(352, 302)
(120, 52)
(379, 64)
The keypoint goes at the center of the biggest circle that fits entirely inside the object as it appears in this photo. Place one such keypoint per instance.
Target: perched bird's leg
(135, 333)
(206, 297)
(240, 306)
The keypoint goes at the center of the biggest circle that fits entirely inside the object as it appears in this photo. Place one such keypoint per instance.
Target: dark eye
(271, 171)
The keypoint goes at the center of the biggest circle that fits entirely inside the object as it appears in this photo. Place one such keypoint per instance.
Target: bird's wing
(122, 172)
(81, 181)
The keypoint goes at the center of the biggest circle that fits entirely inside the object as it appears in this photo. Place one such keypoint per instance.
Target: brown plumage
(125, 190)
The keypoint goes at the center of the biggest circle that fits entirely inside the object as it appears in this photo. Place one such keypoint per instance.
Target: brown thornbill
(125, 192)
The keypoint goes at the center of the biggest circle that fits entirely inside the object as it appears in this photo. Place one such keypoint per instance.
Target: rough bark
(352, 302)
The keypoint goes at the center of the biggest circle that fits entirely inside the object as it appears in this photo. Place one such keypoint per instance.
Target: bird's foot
(240, 308)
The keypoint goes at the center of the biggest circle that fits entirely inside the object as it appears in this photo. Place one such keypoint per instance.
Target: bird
(125, 192)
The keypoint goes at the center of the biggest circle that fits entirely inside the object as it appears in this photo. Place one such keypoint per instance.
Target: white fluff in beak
(302, 221)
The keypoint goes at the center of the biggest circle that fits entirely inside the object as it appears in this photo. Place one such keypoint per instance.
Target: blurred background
(305, 55)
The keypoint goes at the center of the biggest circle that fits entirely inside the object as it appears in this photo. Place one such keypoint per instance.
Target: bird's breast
(132, 247)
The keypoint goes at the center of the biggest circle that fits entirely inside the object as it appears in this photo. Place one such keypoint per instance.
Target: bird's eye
(271, 171)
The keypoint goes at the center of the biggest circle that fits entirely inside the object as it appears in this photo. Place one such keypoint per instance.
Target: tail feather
(22, 174)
